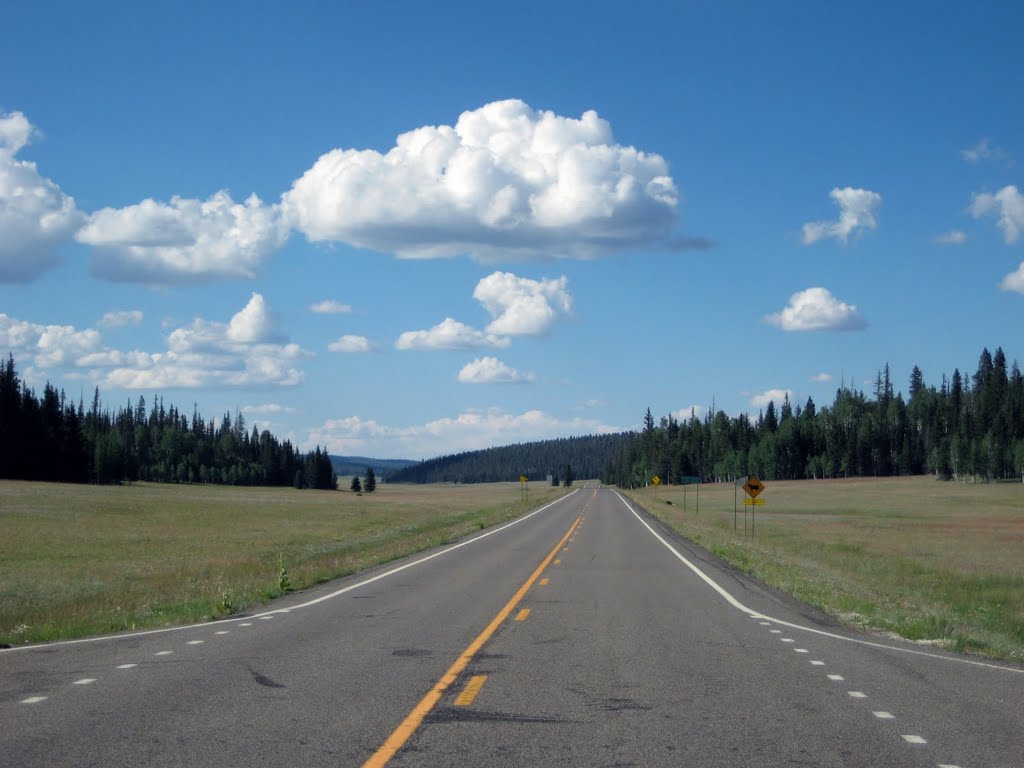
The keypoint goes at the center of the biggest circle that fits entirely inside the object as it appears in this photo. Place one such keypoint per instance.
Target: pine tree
(568, 472)
(356, 486)
(371, 481)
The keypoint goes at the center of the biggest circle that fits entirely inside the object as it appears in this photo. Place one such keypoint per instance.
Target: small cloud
(450, 334)
(856, 213)
(816, 309)
(491, 370)
(684, 414)
(253, 323)
(1008, 205)
(330, 307)
(953, 237)
(1014, 281)
(521, 306)
(269, 408)
(776, 396)
(821, 378)
(983, 150)
(349, 343)
(120, 319)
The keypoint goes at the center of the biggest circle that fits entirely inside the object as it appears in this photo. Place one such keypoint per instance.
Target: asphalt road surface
(583, 634)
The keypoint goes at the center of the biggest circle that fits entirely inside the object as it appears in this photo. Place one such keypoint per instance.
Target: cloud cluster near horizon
(506, 182)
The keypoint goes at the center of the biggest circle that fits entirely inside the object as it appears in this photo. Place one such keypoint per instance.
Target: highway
(583, 634)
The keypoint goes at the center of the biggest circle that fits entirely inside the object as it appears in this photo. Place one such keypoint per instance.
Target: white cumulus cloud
(816, 309)
(953, 237)
(185, 240)
(350, 343)
(330, 307)
(48, 345)
(450, 334)
(821, 378)
(506, 182)
(254, 322)
(856, 213)
(521, 306)
(684, 414)
(36, 217)
(983, 150)
(491, 370)
(1008, 205)
(121, 318)
(776, 396)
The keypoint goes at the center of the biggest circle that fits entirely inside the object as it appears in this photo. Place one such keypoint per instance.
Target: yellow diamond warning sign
(753, 487)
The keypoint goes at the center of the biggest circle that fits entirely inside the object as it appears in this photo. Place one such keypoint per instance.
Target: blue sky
(407, 229)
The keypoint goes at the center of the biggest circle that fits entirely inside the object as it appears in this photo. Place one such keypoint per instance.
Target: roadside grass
(936, 562)
(80, 560)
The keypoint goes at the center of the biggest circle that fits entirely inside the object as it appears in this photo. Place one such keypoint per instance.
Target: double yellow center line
(415, 718)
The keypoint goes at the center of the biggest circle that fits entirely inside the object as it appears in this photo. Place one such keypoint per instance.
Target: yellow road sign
(656, 480)
(753, 487)
(522, 478)
(752, 502)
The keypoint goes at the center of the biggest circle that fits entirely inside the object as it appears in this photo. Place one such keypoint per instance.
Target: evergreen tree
(568, 473)
(371, 481)
(356, 486)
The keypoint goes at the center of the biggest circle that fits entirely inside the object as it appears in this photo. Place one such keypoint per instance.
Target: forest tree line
(52, 438)
(967, 427)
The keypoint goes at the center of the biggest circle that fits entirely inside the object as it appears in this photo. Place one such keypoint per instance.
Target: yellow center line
(469, 693)
(415, 718)
(521, 616)
(545, 581)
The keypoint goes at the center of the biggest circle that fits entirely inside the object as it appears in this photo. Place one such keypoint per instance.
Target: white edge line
(758, 615)
(342, 591)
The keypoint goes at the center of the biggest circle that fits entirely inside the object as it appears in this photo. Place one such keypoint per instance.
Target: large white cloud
(469, 430)
(856, 213)
(816, 309)
(185, 240)
(491, 370)
(36, 217)
(521, 306)
(1008, 205)
(450, 334)
(506, 182)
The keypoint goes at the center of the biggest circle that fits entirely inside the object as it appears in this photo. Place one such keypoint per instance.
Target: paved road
(581, 635)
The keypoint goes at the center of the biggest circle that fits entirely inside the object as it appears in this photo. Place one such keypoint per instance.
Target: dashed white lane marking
(222, 632)
(762, 623)
(835, 677)
(194, 642)
(33, 700)
(818, 663)
(884, 715)
(857, 695)
(245, 624)
(163, 653)
(264, 618)
(315, 601)
(912, 739)
(126, 666)
(775, 631)
(787, 639)
(947, 765)
(801, 650)
(758, 615)
(84, 681)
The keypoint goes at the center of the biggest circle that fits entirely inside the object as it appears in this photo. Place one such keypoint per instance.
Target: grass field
(932, 561)
(78, 560)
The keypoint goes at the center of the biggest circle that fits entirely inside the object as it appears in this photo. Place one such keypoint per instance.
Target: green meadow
(78, 560)
(937, 562)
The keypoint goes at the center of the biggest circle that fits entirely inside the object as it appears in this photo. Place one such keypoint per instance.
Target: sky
(401, 230)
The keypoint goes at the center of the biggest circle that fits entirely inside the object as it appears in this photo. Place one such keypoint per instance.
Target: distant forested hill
(589, 457)
(356, 465)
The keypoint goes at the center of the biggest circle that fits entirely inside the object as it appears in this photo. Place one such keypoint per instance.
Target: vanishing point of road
(582, 634)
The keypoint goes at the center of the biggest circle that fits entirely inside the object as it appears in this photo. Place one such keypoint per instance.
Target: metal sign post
(753, 487)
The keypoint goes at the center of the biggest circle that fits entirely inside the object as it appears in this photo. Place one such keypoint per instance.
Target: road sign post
(753, 487)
